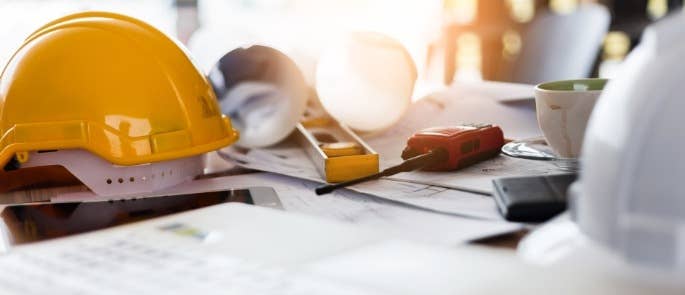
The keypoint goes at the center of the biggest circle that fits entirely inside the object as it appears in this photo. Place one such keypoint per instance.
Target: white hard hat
(630, 196)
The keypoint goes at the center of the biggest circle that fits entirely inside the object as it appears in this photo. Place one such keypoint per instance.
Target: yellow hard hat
(111, 85)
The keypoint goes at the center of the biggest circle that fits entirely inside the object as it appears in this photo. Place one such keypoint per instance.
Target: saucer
(537, 149)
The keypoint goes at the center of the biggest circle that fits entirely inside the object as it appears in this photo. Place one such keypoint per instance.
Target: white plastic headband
(106, 179)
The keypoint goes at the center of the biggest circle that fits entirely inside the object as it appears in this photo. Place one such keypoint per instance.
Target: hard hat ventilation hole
(130, 179)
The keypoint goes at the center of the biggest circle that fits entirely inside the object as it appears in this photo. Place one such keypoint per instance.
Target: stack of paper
(465, 192)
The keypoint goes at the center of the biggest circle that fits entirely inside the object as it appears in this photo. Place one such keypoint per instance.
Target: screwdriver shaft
(322, 190)
(411, 164)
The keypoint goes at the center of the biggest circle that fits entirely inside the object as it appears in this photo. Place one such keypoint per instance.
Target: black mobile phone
(532, 198)
(38, 222)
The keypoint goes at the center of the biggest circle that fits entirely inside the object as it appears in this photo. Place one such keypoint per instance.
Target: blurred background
(504, 40)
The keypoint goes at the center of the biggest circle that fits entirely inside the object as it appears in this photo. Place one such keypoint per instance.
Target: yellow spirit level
(338, 154)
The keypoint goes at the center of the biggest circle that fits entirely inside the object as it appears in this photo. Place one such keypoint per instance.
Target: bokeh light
(563, 6)
(521, 11)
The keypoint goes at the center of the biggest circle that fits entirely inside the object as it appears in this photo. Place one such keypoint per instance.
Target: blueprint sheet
(461, 192)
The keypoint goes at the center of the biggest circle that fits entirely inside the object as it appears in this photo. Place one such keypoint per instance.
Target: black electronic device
(532, 198)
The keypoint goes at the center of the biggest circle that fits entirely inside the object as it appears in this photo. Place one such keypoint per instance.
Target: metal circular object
(532, 149)
(537, 149)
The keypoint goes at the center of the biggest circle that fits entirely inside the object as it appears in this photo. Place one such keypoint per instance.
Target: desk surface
(502, 241)
(505, 241)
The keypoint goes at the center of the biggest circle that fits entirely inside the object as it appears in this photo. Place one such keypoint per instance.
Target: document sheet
(173, 257)
(448, 192)
(402, 220)
(293, 161)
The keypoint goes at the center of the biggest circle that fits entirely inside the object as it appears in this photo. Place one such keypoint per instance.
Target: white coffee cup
(563, 110)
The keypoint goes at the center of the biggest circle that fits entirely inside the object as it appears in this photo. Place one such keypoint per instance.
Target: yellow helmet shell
(112, 85)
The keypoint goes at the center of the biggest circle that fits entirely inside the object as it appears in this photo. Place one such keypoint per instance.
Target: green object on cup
(574, 85)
